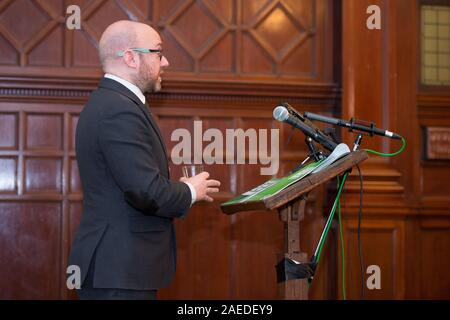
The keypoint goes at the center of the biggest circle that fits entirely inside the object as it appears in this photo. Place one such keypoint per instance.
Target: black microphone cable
(361, 261)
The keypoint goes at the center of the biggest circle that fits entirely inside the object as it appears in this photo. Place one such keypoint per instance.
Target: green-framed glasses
(142, 50)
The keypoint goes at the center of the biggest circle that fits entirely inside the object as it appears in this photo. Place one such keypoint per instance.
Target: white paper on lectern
(341, 150)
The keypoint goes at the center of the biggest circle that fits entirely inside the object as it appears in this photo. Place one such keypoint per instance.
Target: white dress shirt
(133, 88)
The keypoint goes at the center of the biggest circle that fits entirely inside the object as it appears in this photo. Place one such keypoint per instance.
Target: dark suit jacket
(129, 202)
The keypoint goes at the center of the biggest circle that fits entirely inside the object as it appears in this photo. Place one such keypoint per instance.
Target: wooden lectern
(290, 203)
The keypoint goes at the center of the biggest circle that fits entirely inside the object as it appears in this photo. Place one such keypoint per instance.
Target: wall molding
(175, 89)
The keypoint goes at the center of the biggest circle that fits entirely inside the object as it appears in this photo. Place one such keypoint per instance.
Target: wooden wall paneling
(37, 184)
(406, 189)
(384, 246)
(379, 84)
(433, 258)
(369, 87)
(234, 41)
(406, 36)
(9, 125)
(30, 238)
(258, 236)
(412, 260)
(432, 229)
(204, 256)
(434, 191)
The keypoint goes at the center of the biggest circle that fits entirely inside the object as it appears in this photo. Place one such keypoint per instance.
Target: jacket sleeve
(125, 142)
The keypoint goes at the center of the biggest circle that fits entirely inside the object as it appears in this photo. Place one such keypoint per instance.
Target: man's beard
(144, 81)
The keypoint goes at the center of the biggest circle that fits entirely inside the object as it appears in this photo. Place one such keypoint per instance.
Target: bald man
(125, 245)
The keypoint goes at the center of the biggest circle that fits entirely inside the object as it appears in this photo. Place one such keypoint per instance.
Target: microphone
(293, 111)
(282, 114)
(352, 125)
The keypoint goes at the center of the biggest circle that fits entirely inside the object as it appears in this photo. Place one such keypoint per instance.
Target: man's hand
(203, 186)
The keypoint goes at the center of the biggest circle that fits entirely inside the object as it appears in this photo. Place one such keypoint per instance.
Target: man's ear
(129, 59)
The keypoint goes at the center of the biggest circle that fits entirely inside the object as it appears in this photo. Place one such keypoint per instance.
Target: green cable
(333, 210)
(337, 205)
(328, 225)
(388, 154)
(341, 236)
(341, 240)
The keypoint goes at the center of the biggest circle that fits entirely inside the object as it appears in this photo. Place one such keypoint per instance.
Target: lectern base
(293, 289)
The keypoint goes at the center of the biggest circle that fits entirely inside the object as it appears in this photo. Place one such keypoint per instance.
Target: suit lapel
(116, 86)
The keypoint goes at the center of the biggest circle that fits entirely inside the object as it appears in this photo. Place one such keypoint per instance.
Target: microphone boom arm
(286, 113)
